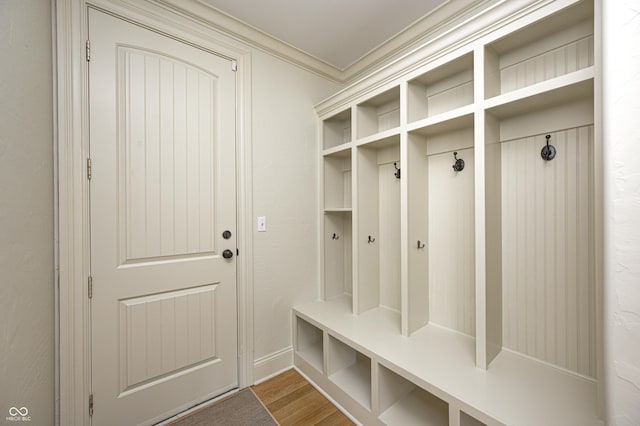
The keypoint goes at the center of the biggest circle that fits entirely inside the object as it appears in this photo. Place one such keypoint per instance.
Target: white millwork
(465, 293)
(162, 142)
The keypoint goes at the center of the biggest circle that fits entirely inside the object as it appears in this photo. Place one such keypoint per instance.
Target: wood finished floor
(293, 401)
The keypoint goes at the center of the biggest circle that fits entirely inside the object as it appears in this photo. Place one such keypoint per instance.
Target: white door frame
(71, 140)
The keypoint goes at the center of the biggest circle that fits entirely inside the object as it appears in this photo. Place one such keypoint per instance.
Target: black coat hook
(548, 152)
(335, 237)
(370, 240)
(459, 164)
(397, 172)
(421, 245)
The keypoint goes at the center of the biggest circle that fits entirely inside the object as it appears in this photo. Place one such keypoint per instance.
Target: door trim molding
(71, 140)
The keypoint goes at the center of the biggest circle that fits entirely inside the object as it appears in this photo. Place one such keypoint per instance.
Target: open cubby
(402, 403)
(546, 272)
(309, 343)
(336, 130)
(467, 420)
(378, 222)
(558, 45)
(379, 113)
(338, 248)
(350, 371)
(440, 90)
(337, 231)
(337, 181)
(441, 253)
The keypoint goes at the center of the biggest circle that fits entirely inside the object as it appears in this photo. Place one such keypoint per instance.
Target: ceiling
(338, 32)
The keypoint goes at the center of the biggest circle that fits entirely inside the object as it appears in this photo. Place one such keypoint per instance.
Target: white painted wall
(285, 167)
(26, 211)
(621, 110)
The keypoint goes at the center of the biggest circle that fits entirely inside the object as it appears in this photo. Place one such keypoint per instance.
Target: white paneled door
(162, 143)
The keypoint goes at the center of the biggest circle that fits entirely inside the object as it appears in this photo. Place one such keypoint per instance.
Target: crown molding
(456, 40)
(446, 28)
(447, 15)
(217, 20)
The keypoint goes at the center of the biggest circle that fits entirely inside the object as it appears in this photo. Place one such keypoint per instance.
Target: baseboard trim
(271, 365)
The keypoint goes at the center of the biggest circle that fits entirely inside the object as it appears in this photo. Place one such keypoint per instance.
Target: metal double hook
(459, 164)
(397, 172)
(548, 152)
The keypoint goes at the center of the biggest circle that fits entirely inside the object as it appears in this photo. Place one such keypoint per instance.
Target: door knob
(227, 254)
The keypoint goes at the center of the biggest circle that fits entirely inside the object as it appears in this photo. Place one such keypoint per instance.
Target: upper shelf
(343, 150)
(338, 210)
(558, 45)
(336, 130)
(443, 89)
(448, 121)
(381, 140)
(380, 113)
(557, 91)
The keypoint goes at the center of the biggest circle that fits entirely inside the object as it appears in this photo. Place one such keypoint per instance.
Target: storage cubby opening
(338, 254)
(467, 420)
(442, 230)
(403, 403)
(493, 240)
(309, 343)
(337, 129)
(551, 98)
(380, 113)
(547, 237)
(350, 371)
(443, 89)
(337, 181)
(379, 177)
(555, 46)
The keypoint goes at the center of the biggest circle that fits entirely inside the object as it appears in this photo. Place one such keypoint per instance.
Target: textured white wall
(26, 211)
(621, 111)
(285, 158)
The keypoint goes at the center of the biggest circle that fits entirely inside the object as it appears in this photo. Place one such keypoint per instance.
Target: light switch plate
(262, 223)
